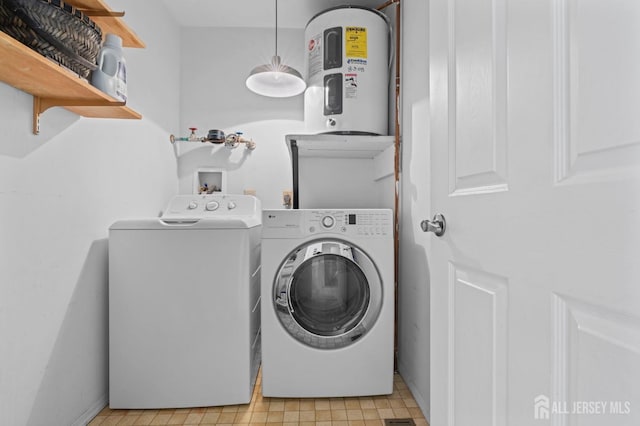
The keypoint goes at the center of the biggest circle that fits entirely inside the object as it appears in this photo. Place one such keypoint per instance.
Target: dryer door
(328, 294)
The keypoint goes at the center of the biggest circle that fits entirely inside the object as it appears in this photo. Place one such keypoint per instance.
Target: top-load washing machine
(327, 303)
(184, 304)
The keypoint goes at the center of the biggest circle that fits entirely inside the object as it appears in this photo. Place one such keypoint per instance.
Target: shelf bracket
(107, 13)
(40, 105)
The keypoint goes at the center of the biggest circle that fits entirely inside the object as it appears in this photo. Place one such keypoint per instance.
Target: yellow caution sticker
(356, 42)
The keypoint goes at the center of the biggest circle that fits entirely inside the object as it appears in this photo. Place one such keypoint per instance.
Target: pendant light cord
(276, 27)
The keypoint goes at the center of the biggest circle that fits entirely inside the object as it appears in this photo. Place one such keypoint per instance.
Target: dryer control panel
(362, 223)
(354, 222)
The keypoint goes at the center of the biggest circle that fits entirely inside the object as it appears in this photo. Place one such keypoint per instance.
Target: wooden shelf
(53, 85)
(108, 21)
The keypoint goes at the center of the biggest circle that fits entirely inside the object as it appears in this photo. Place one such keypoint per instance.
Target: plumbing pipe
(396, 174)
(231, 141)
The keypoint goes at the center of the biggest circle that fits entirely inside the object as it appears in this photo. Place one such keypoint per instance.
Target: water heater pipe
(396, 174)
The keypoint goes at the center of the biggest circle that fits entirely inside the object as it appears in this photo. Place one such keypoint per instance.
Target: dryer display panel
(327, 294)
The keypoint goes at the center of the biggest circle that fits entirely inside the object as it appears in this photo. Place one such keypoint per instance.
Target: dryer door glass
(329, 295)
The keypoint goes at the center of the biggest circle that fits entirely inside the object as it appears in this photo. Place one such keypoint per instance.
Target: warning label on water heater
(351, 86)
(356, 42)
(314, 49)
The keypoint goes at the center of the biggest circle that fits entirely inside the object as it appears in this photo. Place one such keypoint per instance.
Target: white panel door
(535, 161)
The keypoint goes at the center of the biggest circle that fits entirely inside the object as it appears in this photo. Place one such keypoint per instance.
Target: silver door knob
(437, 225)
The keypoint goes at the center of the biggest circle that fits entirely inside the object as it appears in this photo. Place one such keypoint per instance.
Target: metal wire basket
(54, 29)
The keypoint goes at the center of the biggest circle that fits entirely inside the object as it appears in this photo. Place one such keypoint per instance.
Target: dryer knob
(192, 205)
(231, 205)
(328, 221)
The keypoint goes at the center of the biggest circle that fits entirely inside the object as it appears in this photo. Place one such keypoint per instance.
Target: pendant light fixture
(276, 80)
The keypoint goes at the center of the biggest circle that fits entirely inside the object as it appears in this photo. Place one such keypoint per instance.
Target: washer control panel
(210, 205)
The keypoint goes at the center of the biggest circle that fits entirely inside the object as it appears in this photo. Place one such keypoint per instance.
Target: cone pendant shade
(275, 80)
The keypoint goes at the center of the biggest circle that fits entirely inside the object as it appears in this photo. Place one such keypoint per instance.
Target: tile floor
(360, 411)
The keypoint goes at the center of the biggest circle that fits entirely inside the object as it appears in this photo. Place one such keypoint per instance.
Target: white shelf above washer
(340, 146)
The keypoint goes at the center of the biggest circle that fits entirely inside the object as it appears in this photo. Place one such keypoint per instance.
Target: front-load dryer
(327, 303)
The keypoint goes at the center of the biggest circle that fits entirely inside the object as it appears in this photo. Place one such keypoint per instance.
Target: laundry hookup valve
(231, 141)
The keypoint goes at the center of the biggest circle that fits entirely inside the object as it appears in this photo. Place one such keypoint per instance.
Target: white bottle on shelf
(111, 74)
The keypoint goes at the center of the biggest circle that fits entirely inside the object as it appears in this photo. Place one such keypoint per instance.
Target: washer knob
(192, 205)
(328, 221)
(212, 205)
(231, 205)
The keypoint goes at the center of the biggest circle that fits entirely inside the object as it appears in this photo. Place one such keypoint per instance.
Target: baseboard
(92, 411)
(424, 407)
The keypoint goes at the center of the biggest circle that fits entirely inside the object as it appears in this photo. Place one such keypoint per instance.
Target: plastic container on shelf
(111, 74)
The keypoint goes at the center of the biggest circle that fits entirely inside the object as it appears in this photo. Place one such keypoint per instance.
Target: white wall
(414, 270)
(215, 65)
(59, 192)
(351, 184)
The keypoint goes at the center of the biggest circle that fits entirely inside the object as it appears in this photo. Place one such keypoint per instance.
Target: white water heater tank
(347, 62)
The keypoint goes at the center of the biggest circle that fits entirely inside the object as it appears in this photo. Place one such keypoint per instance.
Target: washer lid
(183, 224)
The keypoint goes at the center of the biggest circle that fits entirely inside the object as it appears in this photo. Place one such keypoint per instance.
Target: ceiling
(253, 13)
